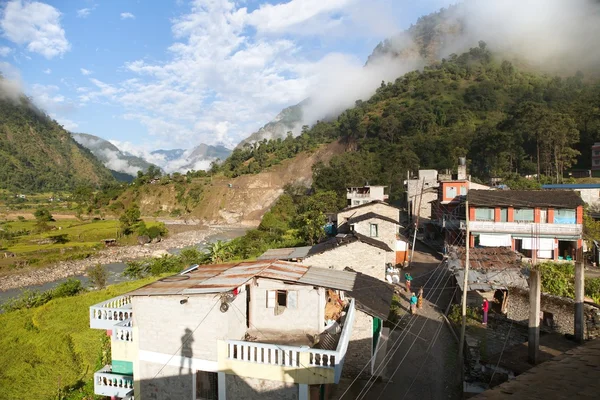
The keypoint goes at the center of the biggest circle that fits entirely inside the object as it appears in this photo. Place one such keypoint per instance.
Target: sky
(173, 74)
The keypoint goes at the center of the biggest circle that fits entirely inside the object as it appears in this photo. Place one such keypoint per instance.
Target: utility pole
(534, 314)
(579, 293)
(463, 326)
(416, 224)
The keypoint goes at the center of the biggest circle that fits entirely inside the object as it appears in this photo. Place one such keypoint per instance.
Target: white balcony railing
(525, 228)
(290, 356)
(123, 331)
(107, 383)
(107, 314)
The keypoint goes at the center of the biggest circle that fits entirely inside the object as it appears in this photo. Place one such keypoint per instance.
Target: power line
(374, 355)
(396, 345)
(407, 330)
(184, 342)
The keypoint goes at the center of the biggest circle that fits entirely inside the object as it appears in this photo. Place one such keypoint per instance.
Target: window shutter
(292, 299)
(271, 295)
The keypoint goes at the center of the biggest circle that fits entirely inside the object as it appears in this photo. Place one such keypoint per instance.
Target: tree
(43, 215)
(97, 276)
(218, 251)
(129, 219)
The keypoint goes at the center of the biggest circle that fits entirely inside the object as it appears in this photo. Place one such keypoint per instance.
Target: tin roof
(372, 295)
(492, 280)
(287, 253)
(524, 198)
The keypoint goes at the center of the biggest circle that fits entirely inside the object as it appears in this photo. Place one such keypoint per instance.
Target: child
(420, 298)
(485, 307)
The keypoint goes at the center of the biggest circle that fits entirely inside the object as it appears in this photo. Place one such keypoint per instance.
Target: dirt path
(424, 365)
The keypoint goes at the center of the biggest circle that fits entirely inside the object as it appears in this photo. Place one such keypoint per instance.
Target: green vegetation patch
(52, 346)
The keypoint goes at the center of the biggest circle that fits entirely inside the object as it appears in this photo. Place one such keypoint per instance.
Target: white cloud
(85, 71)
(230, 71)
(85, 12)
(47, 71)
(36, 25)
(66, 123)
(127, 15)
(280, 17)
(5, 51)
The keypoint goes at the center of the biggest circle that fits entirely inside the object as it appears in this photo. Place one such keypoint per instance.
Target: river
(114, 270)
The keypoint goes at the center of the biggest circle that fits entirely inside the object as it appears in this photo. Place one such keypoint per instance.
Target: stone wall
(562, 310)
(377, 208)
(168, 382)
(308, 315)
(386, 231)
(250, 388)
(359, 256)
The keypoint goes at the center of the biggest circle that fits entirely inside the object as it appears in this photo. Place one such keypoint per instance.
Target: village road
(422, 350)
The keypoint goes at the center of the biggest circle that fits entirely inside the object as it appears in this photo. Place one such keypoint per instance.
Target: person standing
(413, 304)
(485, 307)
(408, 281)
(420, 298)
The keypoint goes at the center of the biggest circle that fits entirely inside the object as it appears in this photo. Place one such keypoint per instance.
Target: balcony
(107, 383)
(526, 228)
(109, 313)
(122, 331)
(294, 364)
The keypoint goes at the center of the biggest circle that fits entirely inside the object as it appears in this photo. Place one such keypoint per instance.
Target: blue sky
(174, 74)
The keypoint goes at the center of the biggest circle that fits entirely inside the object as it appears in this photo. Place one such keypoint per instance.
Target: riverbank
(112, 255)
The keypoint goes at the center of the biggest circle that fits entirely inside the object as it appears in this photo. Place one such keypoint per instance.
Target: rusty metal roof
(372, 295)
(222, 277)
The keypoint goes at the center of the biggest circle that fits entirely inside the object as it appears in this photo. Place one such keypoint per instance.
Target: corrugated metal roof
(329, 278)
(222, 278)
(372, 295)
(287, 253)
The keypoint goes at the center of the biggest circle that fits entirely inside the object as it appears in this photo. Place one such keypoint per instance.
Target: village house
(365, 194)
(421, 191)
(532, 222)
(264, 329)
(499, 275)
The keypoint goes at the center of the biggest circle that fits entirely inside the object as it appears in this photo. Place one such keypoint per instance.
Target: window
(523, 214)
(463, 190)
(356, 202)
(450, 192)
(282, 299)
(207, 385)
(503, 214)
(564, 216)
(373, 230)
(484, 214)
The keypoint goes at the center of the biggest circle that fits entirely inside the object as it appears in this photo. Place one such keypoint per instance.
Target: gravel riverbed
(64, 269)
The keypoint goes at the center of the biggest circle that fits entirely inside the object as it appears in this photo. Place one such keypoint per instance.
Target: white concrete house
(264, 329)
(365, 194)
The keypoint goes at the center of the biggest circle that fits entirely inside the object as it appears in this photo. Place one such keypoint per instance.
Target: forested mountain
(504, 119)
(38, 154)
(289, 119)
(110, 155)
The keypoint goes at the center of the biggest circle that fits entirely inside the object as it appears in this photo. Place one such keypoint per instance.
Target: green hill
(37, 153)
(505, 119)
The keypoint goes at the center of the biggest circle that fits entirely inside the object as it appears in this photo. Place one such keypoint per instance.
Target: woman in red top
(485, 307)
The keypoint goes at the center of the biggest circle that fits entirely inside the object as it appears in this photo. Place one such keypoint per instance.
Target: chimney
(462, 168)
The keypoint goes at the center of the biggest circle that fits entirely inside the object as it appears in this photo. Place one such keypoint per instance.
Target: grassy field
(52, 346)
(66, 239)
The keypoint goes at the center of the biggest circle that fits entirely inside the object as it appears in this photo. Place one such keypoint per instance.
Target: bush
(157, 231)
(97, 275)
(69, 288)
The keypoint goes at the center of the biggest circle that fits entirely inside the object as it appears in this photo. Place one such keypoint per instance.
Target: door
(544, 216)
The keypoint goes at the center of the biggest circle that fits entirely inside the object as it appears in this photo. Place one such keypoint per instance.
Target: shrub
(69, 288)
(97, 275)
